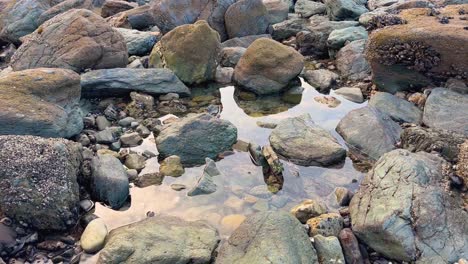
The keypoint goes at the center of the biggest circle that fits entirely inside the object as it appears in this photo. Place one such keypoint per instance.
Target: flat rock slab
(161, 239)
(303, 142)
(114, 82)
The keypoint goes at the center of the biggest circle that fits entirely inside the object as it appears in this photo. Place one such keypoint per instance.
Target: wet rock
(171, 166)
(419, 216)
(447, 110)
(191, 67)
(413, 55)
(39, 181)
(309, 209)
(243, 42)
(330, 101)
(350, 246)
(253, 240)
(398, 109)
(267, 67)
(369, 132)
(43, 102)
(77, 39)
(64, 6)
(344, 10)
(135, 161)
(173, 240)
(246, 17)
(352, 94)
(446, 143)
(114, 82)
(351, 61)
(325, 225)
(131, 139)
(93, 237)
(138, 42)
(187, 138)
(277, 10)
(321, 79)
(230, 223)
(109, 182)
(328, 250)
(230, 56)
(112, 7)
(205, 184)
(308, 8)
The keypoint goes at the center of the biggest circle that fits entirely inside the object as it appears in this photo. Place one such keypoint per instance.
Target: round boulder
(245, 18)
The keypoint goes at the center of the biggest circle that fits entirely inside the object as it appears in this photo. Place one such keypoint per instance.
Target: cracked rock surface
(403, 211)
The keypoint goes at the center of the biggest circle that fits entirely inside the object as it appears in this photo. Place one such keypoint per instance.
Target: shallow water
(240, 177)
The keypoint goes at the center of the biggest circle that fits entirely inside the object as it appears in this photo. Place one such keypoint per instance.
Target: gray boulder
(246, 17)
(231, 56)
(288, 28)
(328, 250)
(277, 10)
(339, 37)
(403, 211)
(63, 7)
(303, 142)
(351, 61)
(109, 182)
(39, 181)
(216, 18)
(243, 42)
(446, 109)
(353, 94)
(344, 9)
(161, 239)
(139, 43)
(369, 132)
(398, 109)
(115, 82)
(206, 184)
(308, 8)
(253, 240)
(195, 138)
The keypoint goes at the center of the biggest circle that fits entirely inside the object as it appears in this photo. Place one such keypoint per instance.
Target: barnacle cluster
(382, 21)
(415, 55)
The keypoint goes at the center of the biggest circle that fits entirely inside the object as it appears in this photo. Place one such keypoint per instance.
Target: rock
(42, 102)
(330, 101)
(89, 43)
(325, 225)
(139, 43)
(308, 8)
(109, 182)
(230, 56)
(105, 137)
(462, 164)
(178, 187)
(339, 37)
(140, 18)
(131, 139)
(114, 82)
(112, 7)
(224, 74)
(352, 94)
(216, 18)
(446, 143)
(288, 28)
(419, 216)
(149, 179)
(230, 223)
(93, 237)
(277, 10)
(413, 55)
(39, 181)
(267, 67)
(457, 86)
(344, 9)
(172, 240)
(328, 250)
(243, 42)
(127, 121)
(303, 142)
(369, 132)
(351, 61)
(171, 166)
(102, 122)
(350, 246)
(62, 7)
(191, 67)
(343, 196)
(20, 18)
(246, 17)
(398, 109)
(205, 184)
(135, 161)
(187, 138)
(308, 209)
(253, 240)
(447, 110)
(321, 79)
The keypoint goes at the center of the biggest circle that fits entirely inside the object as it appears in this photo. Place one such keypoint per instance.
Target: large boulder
(161, 239)
(109, 181)
(351, 61)
(369, 132)
(63, 7)
(176, 51)
(139, 43)
(277, 10)
(246, 17)
(253, 240)
(303, 142)
(195, 138)
(446, 109)
(21, 17)
(115, 82)
(403, 211)
(413, 55)
(112, 7)
(38, 181)
(216, 18)
(344, 9)
(42, 102)
(267, 67)
(398, 109)
(77, 39)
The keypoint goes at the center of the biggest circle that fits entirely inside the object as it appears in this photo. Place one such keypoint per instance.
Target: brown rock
(350, 246)
(112, 7)
(462, 165)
